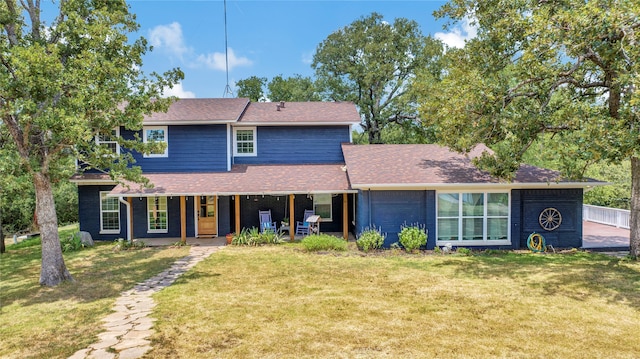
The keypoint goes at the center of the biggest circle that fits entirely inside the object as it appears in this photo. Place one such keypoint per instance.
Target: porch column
(183, 219)
(130, 200)
(237, 204)
(292, 219)
(345, 216)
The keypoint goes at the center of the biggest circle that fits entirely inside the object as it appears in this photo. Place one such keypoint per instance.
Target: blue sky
(265, 38)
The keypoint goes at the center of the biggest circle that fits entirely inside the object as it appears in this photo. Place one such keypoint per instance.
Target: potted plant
(229, 238)
(285, 221)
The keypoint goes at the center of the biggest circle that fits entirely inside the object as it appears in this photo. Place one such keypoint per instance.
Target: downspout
(369, 205)
(126, 204)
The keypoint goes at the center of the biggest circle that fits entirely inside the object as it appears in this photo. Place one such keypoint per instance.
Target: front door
(207, 216)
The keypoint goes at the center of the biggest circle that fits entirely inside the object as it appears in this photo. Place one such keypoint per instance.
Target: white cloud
(169, 38)
(307, 58)
(216, 60)
(178, 91)
(459, 34)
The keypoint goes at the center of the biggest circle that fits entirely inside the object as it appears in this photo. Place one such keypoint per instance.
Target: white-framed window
(245, 142)
(157, 217)
(473, 218)
(322, 206)
(110, 140)
(109, 214)
(156, 134)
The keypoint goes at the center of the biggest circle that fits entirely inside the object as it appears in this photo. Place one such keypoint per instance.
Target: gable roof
(433, 166)
(304, 113)
(190, 111)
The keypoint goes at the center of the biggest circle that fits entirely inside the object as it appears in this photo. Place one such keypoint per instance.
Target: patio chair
(303, 227)
(266, 224)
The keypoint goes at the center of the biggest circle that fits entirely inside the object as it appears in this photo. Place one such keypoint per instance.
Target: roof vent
(281, 104)
(278, 107)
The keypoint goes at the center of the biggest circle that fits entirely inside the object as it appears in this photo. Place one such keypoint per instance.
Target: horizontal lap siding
(201, 148)
(140, 223)
(567, 201)
(391, 209)
(89, 213)
(298, 144)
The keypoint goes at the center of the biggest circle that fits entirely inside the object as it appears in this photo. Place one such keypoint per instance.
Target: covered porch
(230, 201)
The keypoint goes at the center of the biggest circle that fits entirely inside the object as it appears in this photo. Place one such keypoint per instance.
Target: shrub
(412, 237)
(71, 243)
(323, 242)
(464, 251)
(122, 244)
(253, 237)
(370, 239)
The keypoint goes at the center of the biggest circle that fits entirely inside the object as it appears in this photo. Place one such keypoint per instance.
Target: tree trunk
(634, 222)
(53, 270)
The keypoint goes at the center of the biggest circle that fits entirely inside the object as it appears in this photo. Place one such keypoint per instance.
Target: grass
(41, 322)
(282, 302)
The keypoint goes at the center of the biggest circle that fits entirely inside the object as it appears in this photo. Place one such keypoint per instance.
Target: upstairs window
(156, 134)
(110, 141)
(244, 141)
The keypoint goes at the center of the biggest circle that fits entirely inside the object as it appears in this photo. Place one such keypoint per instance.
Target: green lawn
(280, 302)
(41, 322)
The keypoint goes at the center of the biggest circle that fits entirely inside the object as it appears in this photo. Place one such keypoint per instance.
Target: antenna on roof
(227, 89)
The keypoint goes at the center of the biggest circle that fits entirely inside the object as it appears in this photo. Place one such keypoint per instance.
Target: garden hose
(536, 243)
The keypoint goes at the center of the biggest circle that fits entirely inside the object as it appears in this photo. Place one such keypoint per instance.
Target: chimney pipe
(282, 104)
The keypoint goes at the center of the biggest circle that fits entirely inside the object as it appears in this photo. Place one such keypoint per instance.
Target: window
(322, 207)
(156, 134)
(473, 218)
(244, 141)
(157, 214)
(109, 214)
(110, 140)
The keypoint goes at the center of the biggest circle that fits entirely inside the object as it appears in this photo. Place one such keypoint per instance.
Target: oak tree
(563, 71)
(71, 74)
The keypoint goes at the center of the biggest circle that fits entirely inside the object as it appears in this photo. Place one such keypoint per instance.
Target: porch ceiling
(245, 180)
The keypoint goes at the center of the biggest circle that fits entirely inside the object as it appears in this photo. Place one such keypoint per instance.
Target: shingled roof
(245, 180)
(433, 166)
(200, 111)
(308, 113)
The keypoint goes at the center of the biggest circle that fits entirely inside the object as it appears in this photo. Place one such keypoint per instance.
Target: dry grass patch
(280, 302)
(41, 322)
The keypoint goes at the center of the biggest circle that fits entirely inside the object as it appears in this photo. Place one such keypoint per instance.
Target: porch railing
(605, 215)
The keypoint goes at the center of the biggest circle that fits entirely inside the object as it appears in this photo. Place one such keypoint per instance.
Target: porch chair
(266, 224)
(303, 227)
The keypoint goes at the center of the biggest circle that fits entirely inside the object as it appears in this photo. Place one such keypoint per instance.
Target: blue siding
(391, 209)
(89, 213)
(193, 148)
(298, 144)
(224, 215)
(140, 225)
(567, 201)
(516, 218)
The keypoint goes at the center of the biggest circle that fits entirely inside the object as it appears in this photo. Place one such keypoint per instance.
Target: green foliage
(35, 241)
(323, 242)
(370, 239)
(296, 88)
(122, 244)
(372, 63)
(253, 237)
(71, 243)
(464, 251)
(252, 88)
(412, 237)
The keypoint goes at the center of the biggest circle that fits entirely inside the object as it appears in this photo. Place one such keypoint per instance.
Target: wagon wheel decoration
(550, 219)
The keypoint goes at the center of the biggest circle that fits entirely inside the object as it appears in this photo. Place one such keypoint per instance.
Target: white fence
(605, 215)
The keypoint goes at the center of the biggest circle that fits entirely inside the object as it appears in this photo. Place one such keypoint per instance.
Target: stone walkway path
(127, 329)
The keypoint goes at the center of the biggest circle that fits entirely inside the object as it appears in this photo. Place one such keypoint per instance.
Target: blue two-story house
(227, 159)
